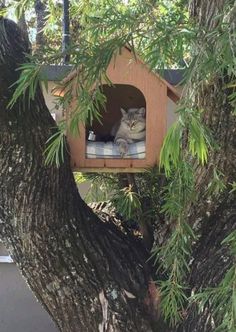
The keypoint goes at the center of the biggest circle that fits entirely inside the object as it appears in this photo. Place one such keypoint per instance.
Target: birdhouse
(135, 86)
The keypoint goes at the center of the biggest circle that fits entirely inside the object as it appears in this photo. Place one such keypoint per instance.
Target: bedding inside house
(95, 150)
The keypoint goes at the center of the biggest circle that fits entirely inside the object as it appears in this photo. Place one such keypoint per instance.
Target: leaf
(27, 83)
(170, 152)
(55, 147)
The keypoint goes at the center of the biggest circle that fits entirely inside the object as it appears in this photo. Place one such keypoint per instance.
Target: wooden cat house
(134, 86)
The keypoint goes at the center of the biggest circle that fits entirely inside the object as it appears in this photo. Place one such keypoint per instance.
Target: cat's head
(134, 118)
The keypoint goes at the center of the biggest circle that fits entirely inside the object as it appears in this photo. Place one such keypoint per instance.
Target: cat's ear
(123, 112)
(142, 111)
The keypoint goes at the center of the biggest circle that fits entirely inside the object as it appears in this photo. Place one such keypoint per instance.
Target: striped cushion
(96, 150)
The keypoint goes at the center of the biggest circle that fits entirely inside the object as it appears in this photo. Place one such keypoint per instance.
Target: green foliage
(21, 6)
(89, 104)
(97, 193)
(146, 25)
(162, 34)
(193, 135)
(179, 191)
(27, 83)
(230, 241)
(3, 12)
(222, 299)
(206, 65)
(127, 202)
(170, 152)
(173, 258)
(150, 188)
(107, 26)
(79, 177)
(55, 147)
(217, 184)
(106, 187)
(174, 300)
(103, 187)
(233, 185)
(197, 139)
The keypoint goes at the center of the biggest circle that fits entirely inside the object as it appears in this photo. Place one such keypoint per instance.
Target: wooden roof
(172, 92)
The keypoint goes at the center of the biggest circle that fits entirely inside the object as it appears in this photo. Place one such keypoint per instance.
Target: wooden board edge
(109, 170)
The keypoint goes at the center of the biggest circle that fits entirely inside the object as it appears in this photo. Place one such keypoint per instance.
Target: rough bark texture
(211, 260)
(214, 216)
(88, 275)
(41, 12)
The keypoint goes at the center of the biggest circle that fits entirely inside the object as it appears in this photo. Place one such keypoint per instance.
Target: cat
(132, 128)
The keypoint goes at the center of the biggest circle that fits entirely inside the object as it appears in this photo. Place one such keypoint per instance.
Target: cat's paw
(123, 148)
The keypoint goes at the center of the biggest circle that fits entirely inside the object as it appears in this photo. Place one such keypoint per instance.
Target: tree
(40, 10)
(53, 234)
(71, 259)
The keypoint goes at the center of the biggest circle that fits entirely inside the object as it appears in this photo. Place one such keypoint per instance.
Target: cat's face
(134, 119)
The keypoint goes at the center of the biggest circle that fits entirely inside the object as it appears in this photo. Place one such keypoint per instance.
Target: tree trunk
(211, 260)
(88, 274)
(213, 215)
(41, 12)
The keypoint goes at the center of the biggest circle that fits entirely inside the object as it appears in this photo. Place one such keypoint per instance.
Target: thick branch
(211, 260)
(88, 274)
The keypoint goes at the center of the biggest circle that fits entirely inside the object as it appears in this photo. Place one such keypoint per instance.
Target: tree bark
(41, 12)
(88, 274)
(213, 215)
(211, 260)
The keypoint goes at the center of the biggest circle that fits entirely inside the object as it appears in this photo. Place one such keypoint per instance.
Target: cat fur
(132, 128)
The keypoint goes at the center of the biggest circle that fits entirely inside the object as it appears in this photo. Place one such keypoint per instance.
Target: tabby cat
(132, 128)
